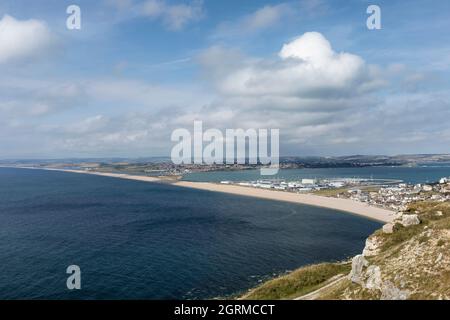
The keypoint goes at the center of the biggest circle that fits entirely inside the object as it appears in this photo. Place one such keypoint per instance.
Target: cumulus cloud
(307, 68)
(21, 39)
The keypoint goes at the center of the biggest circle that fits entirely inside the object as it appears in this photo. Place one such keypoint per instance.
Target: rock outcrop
(410, 220)
(372, 247)
(369, 276)
(388, 228)
(374, 281)
(390, 292)
(358, 265)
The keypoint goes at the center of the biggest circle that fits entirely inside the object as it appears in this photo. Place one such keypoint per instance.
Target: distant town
(389, 194)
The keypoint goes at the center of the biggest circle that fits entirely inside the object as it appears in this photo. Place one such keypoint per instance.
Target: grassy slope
(297, 283)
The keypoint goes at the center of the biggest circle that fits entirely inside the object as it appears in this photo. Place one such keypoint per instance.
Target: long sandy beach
(346, 205)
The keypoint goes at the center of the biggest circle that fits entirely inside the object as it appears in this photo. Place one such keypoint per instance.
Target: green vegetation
(337, 191)
(400, 235)
(298, 283)
(427, 212)
(330, 192)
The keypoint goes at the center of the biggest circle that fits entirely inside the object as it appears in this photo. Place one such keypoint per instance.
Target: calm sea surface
(137, 240)
(419, 174)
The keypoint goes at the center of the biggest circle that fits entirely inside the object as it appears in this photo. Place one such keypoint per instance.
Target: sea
(140, 240)
(422, 173)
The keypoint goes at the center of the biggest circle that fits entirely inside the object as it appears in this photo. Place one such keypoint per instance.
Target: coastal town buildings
(394, 196)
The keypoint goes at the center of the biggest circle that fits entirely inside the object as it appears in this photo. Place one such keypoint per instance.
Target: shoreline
(344, 205)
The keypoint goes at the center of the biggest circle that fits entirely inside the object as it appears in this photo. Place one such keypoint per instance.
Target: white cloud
(22, 39)
(174, 16)
(307, 68)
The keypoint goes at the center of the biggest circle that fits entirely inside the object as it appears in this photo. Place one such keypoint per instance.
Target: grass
(337, 191)
(428, 217)
(330, 192)
(297, 283)
(400, 235)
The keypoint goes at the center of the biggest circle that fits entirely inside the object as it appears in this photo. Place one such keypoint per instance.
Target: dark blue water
(137, 240)
(419, 174)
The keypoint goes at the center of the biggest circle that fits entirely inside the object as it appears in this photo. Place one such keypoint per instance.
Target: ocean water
(137, 240)
(426, 173)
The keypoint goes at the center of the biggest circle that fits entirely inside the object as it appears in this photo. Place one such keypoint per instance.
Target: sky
(139, 69)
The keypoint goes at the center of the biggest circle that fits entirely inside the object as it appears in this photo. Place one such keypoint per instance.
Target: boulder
(439, 213)
(410, 220)
(388, 228)
(358, 265)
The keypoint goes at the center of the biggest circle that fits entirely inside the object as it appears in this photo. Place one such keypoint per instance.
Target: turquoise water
(420, 174)
(137, 240)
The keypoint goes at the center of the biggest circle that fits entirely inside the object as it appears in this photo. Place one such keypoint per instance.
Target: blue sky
(137, 70)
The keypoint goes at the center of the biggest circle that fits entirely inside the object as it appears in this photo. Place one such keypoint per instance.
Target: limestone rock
(358, 264)
(374, 281)
(372, 247)
(390, 292)
(410, 220)
(388, 228)
(398, 215)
